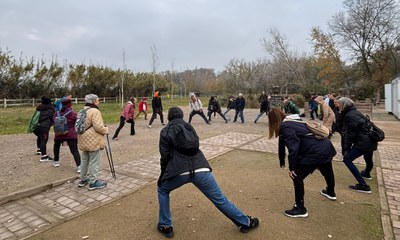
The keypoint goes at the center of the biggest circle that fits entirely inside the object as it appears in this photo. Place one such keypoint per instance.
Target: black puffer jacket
(303, 149)
(46, 115)
(173, 162)
(354, 132)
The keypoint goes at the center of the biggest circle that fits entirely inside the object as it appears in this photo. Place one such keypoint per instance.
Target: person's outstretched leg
(153, 116)
(204, 117)
(121, 125)
(206, 183)
(223, 116)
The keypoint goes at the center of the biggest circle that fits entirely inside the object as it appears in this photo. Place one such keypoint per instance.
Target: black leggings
(302, 171)
(73, 148)
(42, 134)
(121, 125)
(154, 116)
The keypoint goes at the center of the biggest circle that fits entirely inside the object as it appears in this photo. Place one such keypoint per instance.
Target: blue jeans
(351, 155)
(259, 115)
(240, 113)
(206, 183)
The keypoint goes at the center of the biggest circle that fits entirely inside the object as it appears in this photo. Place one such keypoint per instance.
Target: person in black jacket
(214, 107)
(306, 153)
(264, 105)
(157, 108)
(46, 110)
(240, 104)
(231, 105)
(356, 143)
(178, 168)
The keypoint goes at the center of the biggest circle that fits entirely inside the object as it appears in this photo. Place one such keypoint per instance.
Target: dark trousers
(302, 171)
(353, 154)
(219, 112)
(42, 134)
(73, 148)
(201, 113)
(154, 116)
(121, 125)
(312, 111)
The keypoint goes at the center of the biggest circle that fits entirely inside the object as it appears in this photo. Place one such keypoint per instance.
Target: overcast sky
(186, 33)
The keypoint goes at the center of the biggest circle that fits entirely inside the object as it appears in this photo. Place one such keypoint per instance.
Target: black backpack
(186, 140)
(374, 133)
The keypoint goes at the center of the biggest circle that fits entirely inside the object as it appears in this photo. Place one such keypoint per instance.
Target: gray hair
(91, 98)
(345, 103)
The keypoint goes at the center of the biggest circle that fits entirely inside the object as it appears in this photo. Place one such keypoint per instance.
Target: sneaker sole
(94, 188)
(360, 191)
(366, 178)
(327, 196)
(296, 216)
(44, 160)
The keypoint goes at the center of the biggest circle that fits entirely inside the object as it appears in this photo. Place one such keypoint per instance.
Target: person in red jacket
(127, 115)
(70, 137)
(142, 108)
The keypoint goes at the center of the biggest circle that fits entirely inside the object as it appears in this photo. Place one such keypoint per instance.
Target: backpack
(61, 123)
(186, 141)
(317, 129)
(81, 121)
(34, 123)
(374, 133)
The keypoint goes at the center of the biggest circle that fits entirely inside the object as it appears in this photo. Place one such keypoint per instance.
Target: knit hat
(46, 100)
(144, 98)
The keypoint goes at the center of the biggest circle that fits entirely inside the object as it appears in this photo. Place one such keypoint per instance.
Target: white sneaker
(56, 163)
(149, 126)
(78, 169)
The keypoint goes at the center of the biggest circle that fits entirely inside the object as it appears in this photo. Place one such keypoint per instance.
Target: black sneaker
(46, 158)
(327, 195)
(296, 212)
(253, 224)
(165, 230)
(83, 183)
(366, 176)
(360, 188)
(38, 152)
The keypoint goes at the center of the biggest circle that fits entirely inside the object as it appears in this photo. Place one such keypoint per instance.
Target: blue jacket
(303, 149)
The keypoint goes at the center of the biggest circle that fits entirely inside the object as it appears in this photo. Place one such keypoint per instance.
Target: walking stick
(110, 159)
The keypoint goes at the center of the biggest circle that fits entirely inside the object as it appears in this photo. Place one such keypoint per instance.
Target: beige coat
(93, 138)
(329, 116)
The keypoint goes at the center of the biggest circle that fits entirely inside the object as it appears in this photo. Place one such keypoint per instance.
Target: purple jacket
(71, 117)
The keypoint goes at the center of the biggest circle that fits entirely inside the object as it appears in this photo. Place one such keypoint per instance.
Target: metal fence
(5, 102)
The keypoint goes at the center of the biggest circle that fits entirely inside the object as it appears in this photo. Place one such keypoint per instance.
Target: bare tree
(369, 30)
(278, 48)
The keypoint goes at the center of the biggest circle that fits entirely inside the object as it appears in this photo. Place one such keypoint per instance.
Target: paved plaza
(21, 218)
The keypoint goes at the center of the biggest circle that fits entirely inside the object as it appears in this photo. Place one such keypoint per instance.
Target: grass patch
(15, 120)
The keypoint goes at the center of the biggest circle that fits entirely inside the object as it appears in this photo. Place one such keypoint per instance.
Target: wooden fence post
(5, 103)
